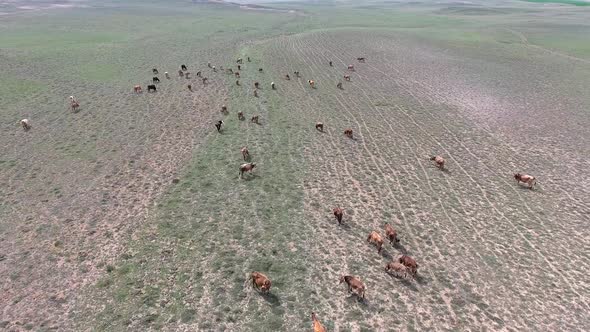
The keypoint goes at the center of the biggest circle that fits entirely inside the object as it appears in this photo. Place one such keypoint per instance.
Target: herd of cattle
(403, 267)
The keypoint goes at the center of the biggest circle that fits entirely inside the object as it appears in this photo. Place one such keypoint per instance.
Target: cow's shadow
(271, 299)
(249, 177)
(400, 247)
(421, 279)
(385, 254)
(354, 298)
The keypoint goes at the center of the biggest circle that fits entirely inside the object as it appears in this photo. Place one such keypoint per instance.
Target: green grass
(565, 2)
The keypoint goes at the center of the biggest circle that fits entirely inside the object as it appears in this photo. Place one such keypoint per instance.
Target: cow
(239, 60)
(260, 70)
(256, 93)
(204, 79)
(245, 153)
(254, 119)
(347, 78)
(526, 179)
(319, 126)
(391, 234)
(73, 99)
(218, 125)
(155, 71)
(260, 282)
(272, 85)
(155, 79)
(137, 89)
(361, 59)
(287, 77)
(187, 75)
(376, 239)
(296, 73)
(311, 83)
(397, 269)
(183, 67)
(331, 64)
(248, 59)
(248, 167)
(229, 71)
(151, 87)
(180, 73)
(25, 124)
(74, 103)
(338, 213)
(214, 69)
(351, 67)
(239, 67)
(199, 73)
(348, 133)
(241, 116)
(167, 75)
(223, 109)
(317, 326)
(237, 74)
(256, 85)
(408, 262)
(238, 82)
(439, 161)
(354, 285)
(190, 87)
(339, 85)
(209, 64)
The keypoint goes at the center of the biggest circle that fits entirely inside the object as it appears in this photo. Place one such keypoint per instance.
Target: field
(129, 215)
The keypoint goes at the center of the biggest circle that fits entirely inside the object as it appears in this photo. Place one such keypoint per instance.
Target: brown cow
(391, 234)
(311, 83)
(237, 74)
(74, 105)
(180, 73)
(204, 79)
(317, 326)
(319, 126)
(241, 115)
(25, 124)
(287, 77)
(256, 85)
(351, 67)
(347, 77)
(338, 213)
(376, 239)
(354, 285)
(397, 269)
(254, 119)
(223, 109)
(260, 281)
(190, 87)
(439, 161)
(245, 152)
(137, 89)
(246, 168)
(348, 133)
(409, 262)
(526, 179)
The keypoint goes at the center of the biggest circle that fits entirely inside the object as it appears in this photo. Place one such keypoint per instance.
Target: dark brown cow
(347, 77)
(354, 285)
(361, 59)
(190, 87)
(348, 133)
(260, 282)
(223, 109)
(237, 74)
(25, 124)
(409, 262)
(296, 74)
(137, 89)
(204, 79)
(287, 77)
(241, 116)
(254, 119)
(319, 126)
(526, 179)
(246, 168)
(311, 83)
(397, 268)
(256, 85)
(338, 213)
(245, 152)
(155, 71)
(391, 234)
(439, 161)
(376, 239)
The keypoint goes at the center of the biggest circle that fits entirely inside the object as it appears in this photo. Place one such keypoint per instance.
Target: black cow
(155, 79)
(218, 125)
(183, 67)
(152, 87)
(155, 71)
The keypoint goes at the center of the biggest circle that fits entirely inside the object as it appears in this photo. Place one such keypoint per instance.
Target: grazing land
(129, 214)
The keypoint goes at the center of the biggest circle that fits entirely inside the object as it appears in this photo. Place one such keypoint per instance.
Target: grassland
(129, 214)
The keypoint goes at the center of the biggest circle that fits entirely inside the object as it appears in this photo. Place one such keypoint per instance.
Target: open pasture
(129, 214)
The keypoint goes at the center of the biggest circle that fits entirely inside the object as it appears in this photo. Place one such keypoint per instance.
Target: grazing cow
(155, 79)
(287, 77)
(260, 282)
(351, 67)
(331, 64)
(254, 119)
(25, 124)
(229, 71)
(311, 83)
(338, 213)
(296, 73)
(348, 133)
(190, 87)
(167, 75)
(199, 73)
(204, 79)
(237, 82)
(239, 60)
(246, 168)
(526, 179)
(155, 71)
(256, 93)
(151, 87)
(239, 67)
(183, 67)
(397, 269)
(339, 85)
(209, 64)
(409, 262)
(439, 161)
(237, 74)
(272, 85)
(354, 285)
(73, 99)
(187, 75)
(260, 70)
(223, 109)
(317, 326)
(180, 73)
(248, 59)
(376, 239)
(214, 69)
(391, 234)
(361, 59)
(137, 89)
(347, 77)
(319, 126)
(256, 85)
(245, 153)
(218, 125)
(241, 116)
(74, 103)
